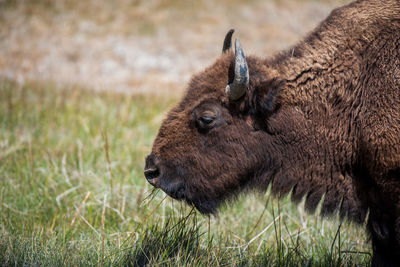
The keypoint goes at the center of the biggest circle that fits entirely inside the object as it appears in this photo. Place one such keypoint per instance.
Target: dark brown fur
(320, 120)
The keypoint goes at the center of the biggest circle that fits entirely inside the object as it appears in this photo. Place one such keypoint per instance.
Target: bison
(320, 120)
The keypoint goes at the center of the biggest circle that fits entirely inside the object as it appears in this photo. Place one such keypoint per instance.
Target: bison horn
(238, 87)
(227, 41)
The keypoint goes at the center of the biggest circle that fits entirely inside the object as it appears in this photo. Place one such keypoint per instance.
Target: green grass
(72, 193)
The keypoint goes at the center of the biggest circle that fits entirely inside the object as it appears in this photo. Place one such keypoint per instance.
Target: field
(72, 193)
(84, 86)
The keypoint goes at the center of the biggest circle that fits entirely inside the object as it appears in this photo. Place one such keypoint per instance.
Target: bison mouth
(178, 191)
(174, 190)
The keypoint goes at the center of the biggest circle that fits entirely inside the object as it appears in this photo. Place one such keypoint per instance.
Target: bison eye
(206, 120)
(207, 116)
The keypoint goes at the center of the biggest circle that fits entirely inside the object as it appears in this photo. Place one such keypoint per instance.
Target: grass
(72, 193)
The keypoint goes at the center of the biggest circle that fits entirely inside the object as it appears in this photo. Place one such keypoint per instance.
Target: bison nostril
(151, 175)
(152, 170)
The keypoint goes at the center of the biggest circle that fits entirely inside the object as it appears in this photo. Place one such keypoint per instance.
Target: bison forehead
(210, 83)
(175, 134)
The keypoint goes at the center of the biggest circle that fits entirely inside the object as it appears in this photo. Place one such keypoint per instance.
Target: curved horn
(238, 87)
(227, 41)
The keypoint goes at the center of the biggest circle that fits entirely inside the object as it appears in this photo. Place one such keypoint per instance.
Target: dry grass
(141, 46)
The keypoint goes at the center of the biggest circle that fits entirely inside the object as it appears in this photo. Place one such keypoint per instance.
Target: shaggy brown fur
(320, 119)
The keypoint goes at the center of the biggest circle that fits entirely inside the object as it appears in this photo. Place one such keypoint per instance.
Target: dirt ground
(141, 46)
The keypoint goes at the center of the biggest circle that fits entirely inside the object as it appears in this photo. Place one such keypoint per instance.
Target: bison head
(215, 141)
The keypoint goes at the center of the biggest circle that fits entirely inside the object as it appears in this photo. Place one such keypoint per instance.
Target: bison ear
(227, 41)
(268, 93)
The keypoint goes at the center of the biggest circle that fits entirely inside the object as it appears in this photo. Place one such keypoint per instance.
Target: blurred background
(140, 46)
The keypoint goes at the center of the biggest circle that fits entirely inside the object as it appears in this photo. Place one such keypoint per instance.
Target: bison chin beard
(205, 206)
(177, 190)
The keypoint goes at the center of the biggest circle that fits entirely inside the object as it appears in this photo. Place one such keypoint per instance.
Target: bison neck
(312, 162)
